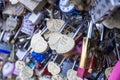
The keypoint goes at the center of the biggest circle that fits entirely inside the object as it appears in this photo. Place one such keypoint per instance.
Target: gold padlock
(85, 56)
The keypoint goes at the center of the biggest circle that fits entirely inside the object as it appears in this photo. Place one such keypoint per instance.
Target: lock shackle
(78, 29)
(90, 29)
(64, 25)
(49, 61)
(62, 61)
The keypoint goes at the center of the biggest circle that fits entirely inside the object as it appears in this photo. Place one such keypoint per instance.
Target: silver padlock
(100, 8)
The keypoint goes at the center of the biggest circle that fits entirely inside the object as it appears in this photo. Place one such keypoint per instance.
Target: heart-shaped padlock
(8, 69)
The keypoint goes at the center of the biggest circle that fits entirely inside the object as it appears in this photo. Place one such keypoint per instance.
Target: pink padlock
(115, 75)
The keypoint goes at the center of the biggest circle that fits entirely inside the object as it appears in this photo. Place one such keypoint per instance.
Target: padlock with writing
(71, 73)
(25, 71)
(61, 41)
(56, 67)
(45, 66)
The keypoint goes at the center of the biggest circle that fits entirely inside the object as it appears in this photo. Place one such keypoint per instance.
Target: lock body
(101, 9)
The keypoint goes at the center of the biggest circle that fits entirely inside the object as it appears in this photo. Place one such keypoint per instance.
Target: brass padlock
(84, 61)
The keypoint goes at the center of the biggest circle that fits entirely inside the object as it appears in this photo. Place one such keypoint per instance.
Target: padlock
(101, 9)
(8, 29)
(82, 72)
(81, 4)
(71, 73)
(36, 18)
(36, 5)
(17, 10)
(21, 53)
(38, 43)
(67, 7)
(113, 21)
(27, 26)
(25, 71)
(43, 69)
(56, 67)
(8, 69)
(11, 23)
(54, 25)
(61, 42)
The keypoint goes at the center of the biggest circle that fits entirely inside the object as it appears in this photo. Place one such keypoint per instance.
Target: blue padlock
(39, 57)
(66, 7)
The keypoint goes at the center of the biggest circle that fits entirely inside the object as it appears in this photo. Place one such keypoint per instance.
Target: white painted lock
(53, 68)
(8, 69)
(54, 25)
(38, 44)
(61, 43)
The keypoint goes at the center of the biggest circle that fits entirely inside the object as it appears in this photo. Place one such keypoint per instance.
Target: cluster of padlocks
(59, 39)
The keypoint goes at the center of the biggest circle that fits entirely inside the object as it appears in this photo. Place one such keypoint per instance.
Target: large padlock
(61, 41)
(82, 72)
(101, 9)
(113, 21)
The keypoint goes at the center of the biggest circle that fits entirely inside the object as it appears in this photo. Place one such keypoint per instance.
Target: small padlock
(67, 7)
(25, 71)
(43, 69)
(8, 69)
(81, 4)
(71, 73)
(36, 18)
(27, 26)
(56, 67)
